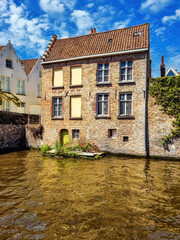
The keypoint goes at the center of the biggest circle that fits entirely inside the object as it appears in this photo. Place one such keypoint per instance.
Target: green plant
(166, 91)
(58, 148)
(45, 148)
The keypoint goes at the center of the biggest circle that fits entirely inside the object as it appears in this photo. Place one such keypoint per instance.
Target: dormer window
(9, 63)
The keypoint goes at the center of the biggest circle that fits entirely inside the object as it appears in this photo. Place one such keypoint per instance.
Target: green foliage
(58, 148)
(45, 148)
(166, 91)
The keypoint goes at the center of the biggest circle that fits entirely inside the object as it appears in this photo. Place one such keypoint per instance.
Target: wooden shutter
(58, 77)
(76, 107)
(76, 75)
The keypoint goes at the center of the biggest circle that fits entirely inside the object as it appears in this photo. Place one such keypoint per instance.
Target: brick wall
(93, 129)
(18, 118)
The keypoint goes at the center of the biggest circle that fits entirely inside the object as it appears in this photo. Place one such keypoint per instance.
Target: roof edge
(96, 55)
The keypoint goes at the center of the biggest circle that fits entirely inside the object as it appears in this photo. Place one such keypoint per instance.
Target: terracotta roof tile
(99, 43)
(1, 47)
(28, 65)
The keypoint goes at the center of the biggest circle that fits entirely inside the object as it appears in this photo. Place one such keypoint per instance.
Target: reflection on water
(112, 198)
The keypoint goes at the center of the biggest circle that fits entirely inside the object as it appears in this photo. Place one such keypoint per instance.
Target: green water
(112, 198)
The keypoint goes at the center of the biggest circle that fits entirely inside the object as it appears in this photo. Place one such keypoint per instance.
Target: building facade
(94, 88)
(20, 81)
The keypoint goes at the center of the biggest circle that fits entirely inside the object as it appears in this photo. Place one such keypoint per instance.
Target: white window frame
(126, 71)
(58, 105)
(20, 90)
(38, 90)
(21, 104)
(125, 101)
(103, 70)
(75, 134)
(5, 83)
(6, 105)
(102, 94)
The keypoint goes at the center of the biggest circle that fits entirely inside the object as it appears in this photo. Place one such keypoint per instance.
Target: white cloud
(56, 6)
(172, 18)
(160, 31)
(155, 5)
(90, 5)
(122, 24)
(175, 62)
(25, 33)
(83, 21)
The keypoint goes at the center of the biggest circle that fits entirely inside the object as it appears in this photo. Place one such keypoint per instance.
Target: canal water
(112, 198)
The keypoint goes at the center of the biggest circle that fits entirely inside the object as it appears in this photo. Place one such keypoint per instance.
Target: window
(75, 106)
(103, 73)
(9, 63)
(76, 76)
(57, 107)
(102, 104)
(21, 105)
(39, 90)
(126, 71)
(20, 87)
(58, 78)
(125, 104)
(111, 133)
(5, 83)
(5, 105)
(40, 74)
(75, 134)
(125, 138)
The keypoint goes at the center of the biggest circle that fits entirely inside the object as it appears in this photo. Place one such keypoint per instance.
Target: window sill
(57, 118)
(126, 117)
(38, 97)
(104, 84)
(62, 87)
(102, 117)
(76, 86)
(22, 94)
(127, 82)
(75, 118)
(5, 91)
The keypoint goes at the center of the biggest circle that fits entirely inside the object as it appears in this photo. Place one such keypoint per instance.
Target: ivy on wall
(166, 91)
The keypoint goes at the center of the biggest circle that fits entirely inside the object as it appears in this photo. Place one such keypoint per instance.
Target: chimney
(94, 30)
(91, 31)
(162, 68)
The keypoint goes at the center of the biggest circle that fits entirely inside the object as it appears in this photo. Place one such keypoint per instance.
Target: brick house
(94, 88)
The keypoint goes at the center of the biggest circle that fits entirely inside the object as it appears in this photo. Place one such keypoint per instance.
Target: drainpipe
(146, 111)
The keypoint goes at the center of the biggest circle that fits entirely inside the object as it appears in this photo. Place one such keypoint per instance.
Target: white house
(171, 72)
(21, 81)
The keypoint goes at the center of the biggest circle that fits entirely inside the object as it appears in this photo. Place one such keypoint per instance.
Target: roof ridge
(28, 59)
(119, 29)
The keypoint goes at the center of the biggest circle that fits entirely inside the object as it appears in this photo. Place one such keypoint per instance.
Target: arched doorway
(64, 136)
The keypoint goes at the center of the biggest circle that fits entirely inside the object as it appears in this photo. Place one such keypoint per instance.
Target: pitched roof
(28, 65)
(1, 47)
(136, 37)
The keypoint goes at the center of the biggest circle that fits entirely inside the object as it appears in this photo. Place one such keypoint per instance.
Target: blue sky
(30, 24)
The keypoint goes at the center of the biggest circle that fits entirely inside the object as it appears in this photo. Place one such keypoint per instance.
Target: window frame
(125, 101)
(103, 70)
(59, 116)
(20, 86)
(102, 115)
(9, 65)
(126, 69)
(4, 81)
(77, 133)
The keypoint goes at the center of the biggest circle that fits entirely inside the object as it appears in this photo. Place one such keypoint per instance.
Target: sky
(30, 24)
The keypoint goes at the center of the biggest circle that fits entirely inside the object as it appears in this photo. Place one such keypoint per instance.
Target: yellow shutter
(58, 78)
(76, 75)
(76, 107)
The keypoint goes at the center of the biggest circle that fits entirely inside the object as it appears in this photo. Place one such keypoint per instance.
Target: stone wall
(159, 127)
(15, 133)
(18, 118)
(91, 128)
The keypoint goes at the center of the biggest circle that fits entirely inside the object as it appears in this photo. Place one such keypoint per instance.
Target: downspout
(146, 111)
